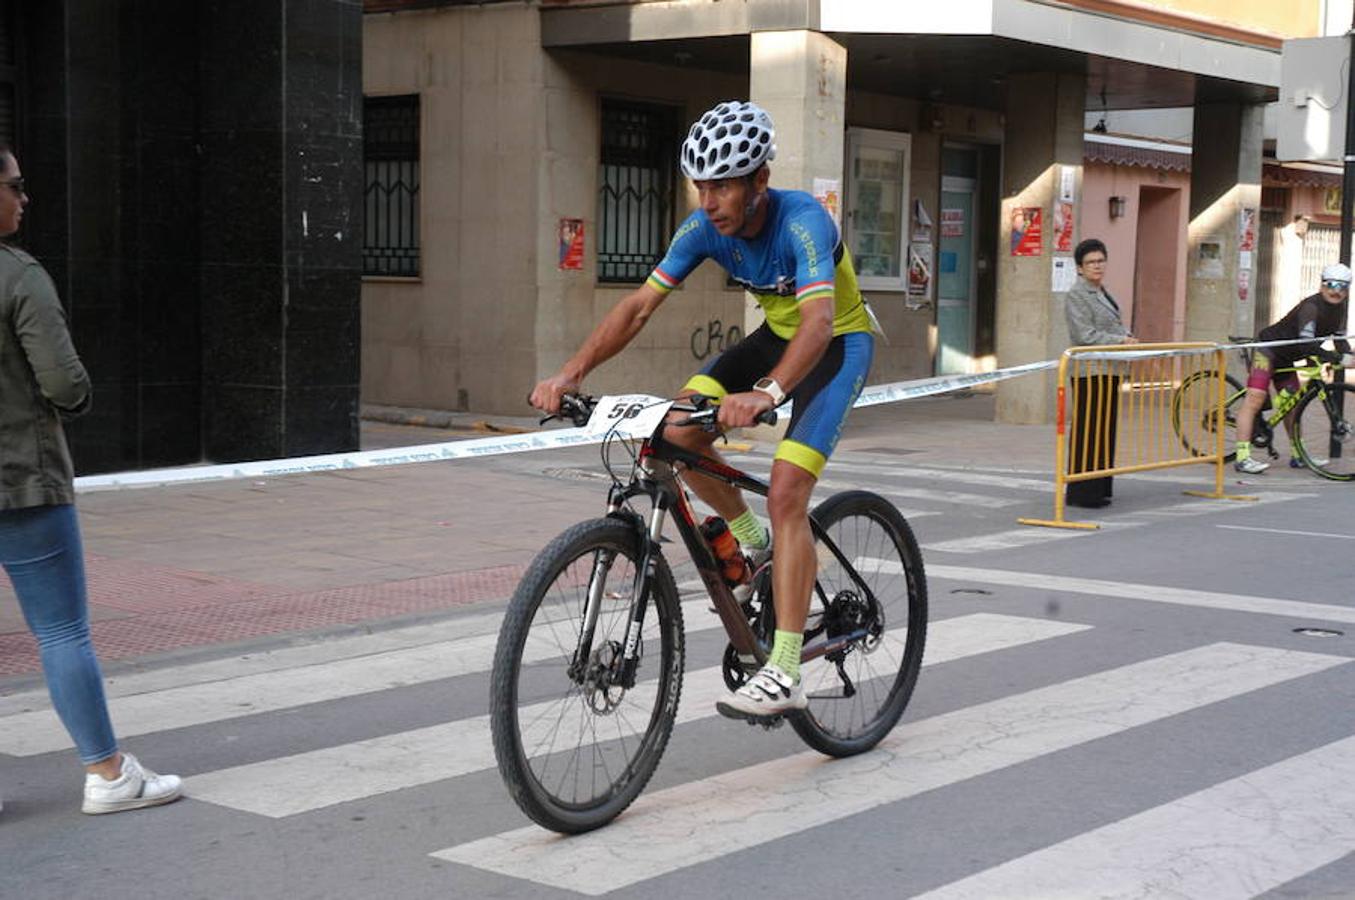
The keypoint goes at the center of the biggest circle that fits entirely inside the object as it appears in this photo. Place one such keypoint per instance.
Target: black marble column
(281, 257)
(196, 179)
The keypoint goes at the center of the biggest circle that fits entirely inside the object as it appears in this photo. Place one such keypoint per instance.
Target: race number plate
(632, 415)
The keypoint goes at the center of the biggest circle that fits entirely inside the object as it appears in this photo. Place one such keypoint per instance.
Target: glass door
(955, 277)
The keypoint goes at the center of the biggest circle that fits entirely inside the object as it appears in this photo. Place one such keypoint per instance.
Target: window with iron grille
(636, 180)
(390, 244)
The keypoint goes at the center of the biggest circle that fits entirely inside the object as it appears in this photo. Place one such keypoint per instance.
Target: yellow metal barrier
(1121, 410)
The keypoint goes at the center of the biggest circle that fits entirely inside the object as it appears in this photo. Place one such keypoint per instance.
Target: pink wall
(1099, 183)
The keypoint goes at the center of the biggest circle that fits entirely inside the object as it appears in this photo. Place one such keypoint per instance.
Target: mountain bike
(1321, 430)
(589, 665)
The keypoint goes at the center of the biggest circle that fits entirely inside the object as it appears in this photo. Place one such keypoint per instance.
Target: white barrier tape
(925, 387)
(547, 440)
(491, 446)
(1195, 351)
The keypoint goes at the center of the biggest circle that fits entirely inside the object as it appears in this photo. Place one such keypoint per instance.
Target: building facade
(540, 183)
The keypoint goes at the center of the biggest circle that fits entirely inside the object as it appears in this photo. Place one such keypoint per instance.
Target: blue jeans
(41, 552)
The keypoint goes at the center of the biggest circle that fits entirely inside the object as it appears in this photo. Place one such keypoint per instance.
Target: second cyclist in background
(1321, 314)
(815, 348)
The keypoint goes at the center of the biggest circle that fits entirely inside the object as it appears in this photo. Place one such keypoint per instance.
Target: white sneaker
(770, 692)
(134, 788)
(1251, 466)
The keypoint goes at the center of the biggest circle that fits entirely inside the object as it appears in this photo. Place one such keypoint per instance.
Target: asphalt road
(1140, 712)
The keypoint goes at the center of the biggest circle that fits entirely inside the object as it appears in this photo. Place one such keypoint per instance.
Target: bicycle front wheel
(856, 698)
(574, 745)
(1195, 414)
(1323, 434)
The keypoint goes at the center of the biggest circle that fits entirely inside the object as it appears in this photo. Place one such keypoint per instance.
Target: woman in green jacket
(42, 379)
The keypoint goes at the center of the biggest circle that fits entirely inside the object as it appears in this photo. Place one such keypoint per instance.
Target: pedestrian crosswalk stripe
(308, 781)
(1042, 485)
(39, 731)
(707, 819)
(1295, 609)
(1241, 838)
(958, 498)
(1025, 537)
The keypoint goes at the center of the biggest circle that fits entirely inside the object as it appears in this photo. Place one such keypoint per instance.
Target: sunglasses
(1336, 285)
(15, 184)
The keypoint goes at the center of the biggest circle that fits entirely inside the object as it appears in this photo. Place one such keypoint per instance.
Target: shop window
(877, 206)
(390, 244)
(637, 177)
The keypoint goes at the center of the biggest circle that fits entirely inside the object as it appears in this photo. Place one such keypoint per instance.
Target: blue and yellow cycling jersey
(798, 255)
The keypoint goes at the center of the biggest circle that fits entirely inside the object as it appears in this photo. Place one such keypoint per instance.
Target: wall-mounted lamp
(1116, 207)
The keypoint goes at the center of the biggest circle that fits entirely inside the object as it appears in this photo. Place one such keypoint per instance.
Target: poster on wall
(919, 274)
(1246, 229)
(922, 223)
(1064, 275)
(1067, 183)
(571, 245)
(1331, 201)
(1243, 285)
(1027, 231)
(1063, 226)
(1209, 258)
(828, 191)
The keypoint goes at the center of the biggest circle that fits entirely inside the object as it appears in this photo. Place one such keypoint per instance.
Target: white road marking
(1027, 536)
(39, 731)
(708, 819)
(309, 781)
(968, 476)
(1294, 609)
(1238, 839)
(1321, 534)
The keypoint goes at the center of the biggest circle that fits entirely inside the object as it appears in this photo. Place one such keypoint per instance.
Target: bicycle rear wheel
(882, 669)
(1323, 433)
(575, 748)
(1195, 415)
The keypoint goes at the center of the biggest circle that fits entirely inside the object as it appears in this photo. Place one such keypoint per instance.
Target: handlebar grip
(767, 417)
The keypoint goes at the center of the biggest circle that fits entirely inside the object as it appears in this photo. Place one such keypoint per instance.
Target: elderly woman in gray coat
(1093, 318)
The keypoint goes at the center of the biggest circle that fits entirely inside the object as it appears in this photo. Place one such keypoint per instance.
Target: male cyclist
(814, 348)
(1322, 313)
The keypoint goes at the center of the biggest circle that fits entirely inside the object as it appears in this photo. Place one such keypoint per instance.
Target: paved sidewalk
(174, 570)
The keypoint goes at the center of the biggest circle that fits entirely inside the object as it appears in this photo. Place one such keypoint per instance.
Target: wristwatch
(769, 387)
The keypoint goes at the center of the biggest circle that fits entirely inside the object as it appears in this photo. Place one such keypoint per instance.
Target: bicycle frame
(656, 476)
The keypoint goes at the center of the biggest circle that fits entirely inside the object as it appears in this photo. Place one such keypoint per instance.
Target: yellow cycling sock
(785, 653)
(748, 529)
(1243, 450)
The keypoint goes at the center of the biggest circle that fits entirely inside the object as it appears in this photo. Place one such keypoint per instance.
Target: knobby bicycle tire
(876, 539)
(1315, 428)
(1195, 414)
(547, 777)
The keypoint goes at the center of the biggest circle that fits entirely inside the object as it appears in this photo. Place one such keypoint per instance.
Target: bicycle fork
(625, 667)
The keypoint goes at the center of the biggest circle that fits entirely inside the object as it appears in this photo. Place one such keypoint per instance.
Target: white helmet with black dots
(1336, 272)
(733, 139)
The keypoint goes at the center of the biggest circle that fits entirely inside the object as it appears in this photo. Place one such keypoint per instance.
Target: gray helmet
(735, 138)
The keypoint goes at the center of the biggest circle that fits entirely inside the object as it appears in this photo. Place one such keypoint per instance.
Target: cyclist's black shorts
(822, 400)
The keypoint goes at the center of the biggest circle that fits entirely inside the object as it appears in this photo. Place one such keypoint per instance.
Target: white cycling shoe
(771, 692)
(1251, 466)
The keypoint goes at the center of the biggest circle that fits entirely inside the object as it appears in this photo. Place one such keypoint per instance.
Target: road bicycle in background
(589, 666)
(1321, 409)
